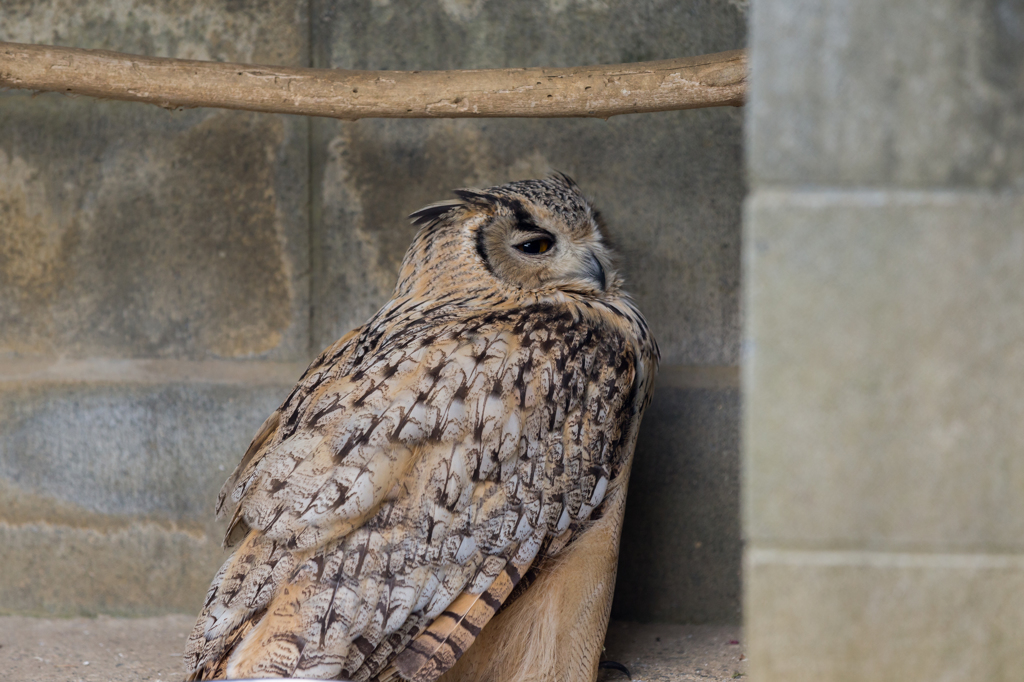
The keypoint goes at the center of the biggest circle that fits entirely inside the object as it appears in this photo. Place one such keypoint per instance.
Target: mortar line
(813, 196)
(884, 559)
(241, 372)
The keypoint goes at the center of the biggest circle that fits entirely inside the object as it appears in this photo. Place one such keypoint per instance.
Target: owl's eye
(535, 246)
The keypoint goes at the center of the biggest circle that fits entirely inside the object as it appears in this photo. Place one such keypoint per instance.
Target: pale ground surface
(659, 652)
(146, 649)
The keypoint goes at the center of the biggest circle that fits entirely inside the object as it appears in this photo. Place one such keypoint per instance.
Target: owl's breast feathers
(412, 477)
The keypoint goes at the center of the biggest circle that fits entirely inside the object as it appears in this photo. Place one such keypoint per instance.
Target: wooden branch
(592, 91)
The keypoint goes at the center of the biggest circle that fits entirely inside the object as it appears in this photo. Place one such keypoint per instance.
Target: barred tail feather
(436, 649)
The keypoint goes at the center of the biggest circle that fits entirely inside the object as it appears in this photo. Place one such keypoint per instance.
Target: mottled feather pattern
(426, 461)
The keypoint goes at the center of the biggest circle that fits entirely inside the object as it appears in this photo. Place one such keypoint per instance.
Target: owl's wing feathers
(400, 502)
(313, 377)
(316, 374)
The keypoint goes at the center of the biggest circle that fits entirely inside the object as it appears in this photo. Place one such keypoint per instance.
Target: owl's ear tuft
(475, 197)
(566, 180)
(432, 213)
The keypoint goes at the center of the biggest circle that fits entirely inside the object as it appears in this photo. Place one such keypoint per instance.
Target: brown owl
(442, 492)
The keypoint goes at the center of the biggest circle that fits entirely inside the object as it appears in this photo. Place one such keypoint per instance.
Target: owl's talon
(615, 666)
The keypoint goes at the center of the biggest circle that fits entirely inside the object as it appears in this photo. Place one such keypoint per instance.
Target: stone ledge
(149, 649)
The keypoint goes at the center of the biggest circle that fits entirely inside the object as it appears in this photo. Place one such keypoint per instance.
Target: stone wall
(166, 275)
(884, 290)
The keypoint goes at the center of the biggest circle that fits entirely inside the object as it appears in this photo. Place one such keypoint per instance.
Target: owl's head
(535, 235)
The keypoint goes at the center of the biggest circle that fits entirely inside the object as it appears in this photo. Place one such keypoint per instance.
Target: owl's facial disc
(536, 249)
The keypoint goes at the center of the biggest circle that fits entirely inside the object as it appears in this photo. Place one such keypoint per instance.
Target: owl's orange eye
(534, 246)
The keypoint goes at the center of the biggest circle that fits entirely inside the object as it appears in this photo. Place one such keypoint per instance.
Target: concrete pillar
(884, 341)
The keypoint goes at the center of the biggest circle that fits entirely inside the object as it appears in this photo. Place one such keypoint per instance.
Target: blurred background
(166, 275)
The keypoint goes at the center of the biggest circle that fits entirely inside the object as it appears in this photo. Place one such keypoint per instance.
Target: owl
(442, 493)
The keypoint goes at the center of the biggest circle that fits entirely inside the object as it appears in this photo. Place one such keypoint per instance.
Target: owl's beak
(595, 271)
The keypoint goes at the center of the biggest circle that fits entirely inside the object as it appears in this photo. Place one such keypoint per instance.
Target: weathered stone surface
(158, 450)
(132, 237)
(681, 549)
(139, 569)
(135, 232)
(913, 94)
(101, 649)
(255, 31)
(814, 616)
(669, 185)
(883, 394)
(484, 34)
(107, 491)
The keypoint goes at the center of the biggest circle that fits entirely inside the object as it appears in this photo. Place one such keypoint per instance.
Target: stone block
(681, 549)
(158, 449)
(490, 34)
(246, 31)
(670, 185)
(130, 231)
(135, 569)
(107, 491)
(882, 371)
(851, 616)
(877, 93)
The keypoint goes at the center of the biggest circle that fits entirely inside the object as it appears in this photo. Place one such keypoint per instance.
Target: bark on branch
(588, 91)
